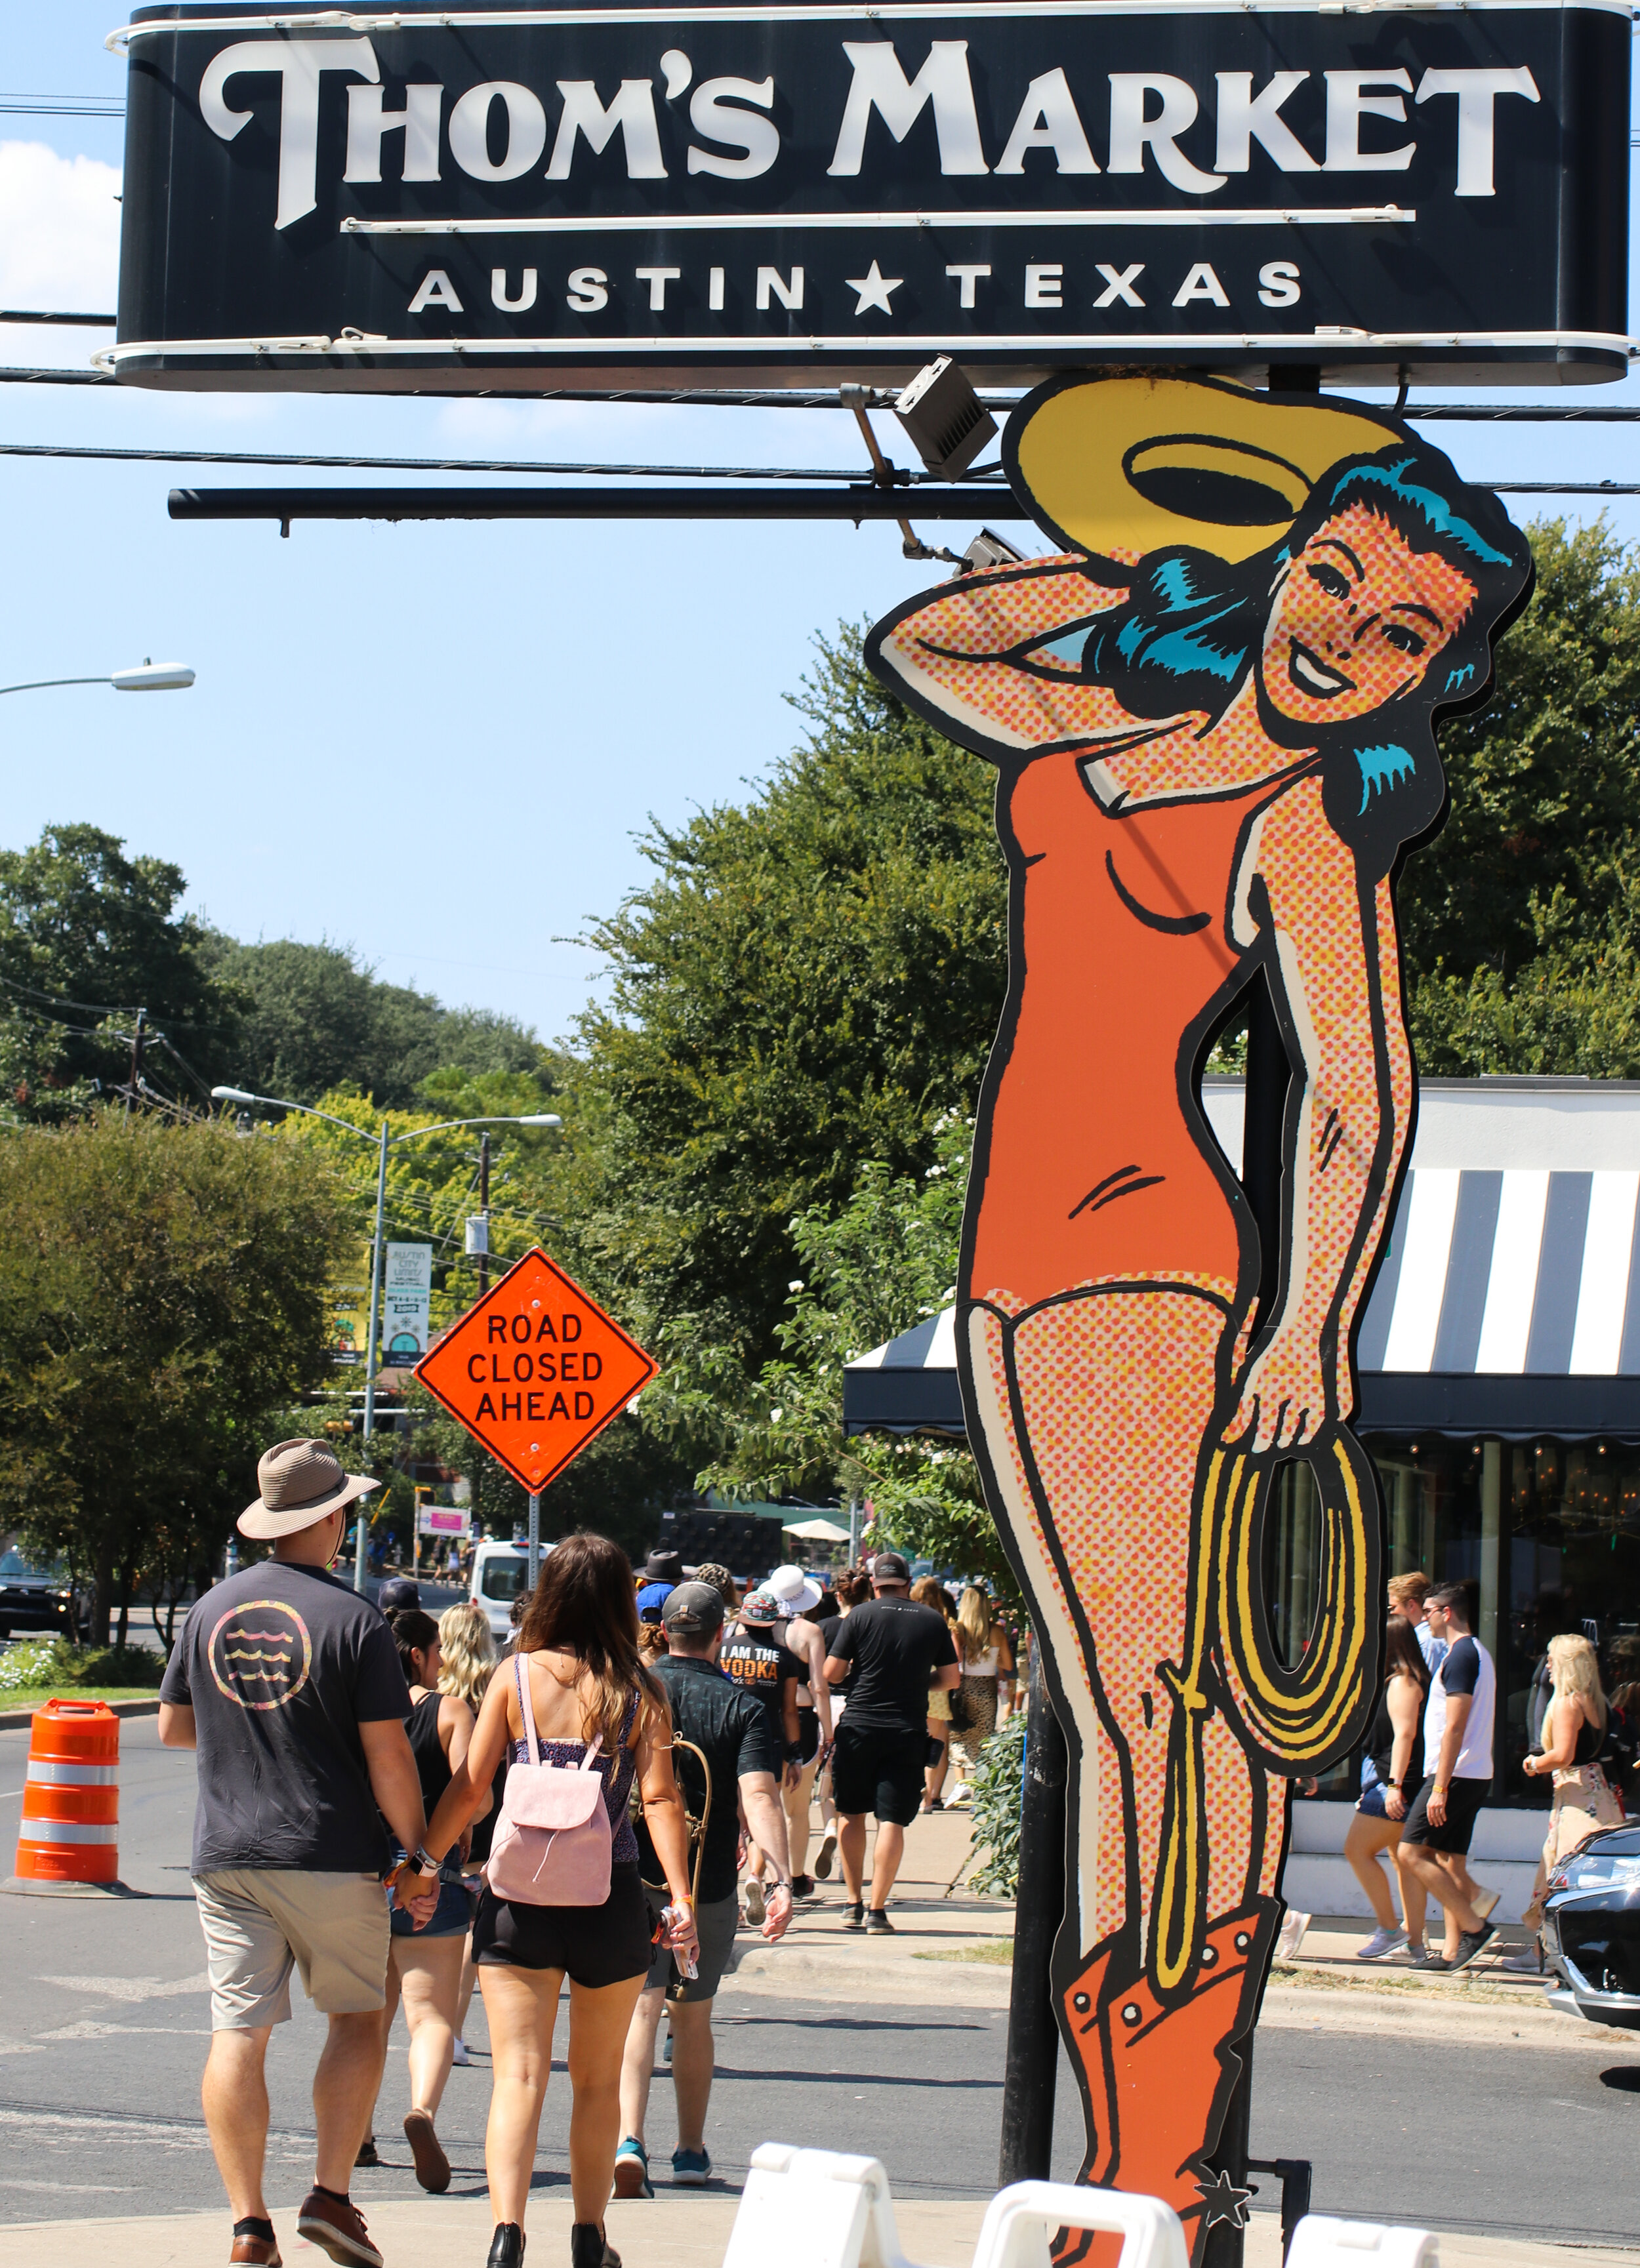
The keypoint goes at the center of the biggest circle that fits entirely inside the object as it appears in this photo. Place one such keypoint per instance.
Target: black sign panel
(525, 196)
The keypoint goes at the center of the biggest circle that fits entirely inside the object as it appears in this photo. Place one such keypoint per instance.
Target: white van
(500, 1571)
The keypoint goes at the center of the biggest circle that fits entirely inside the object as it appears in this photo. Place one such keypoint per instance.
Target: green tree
(883, 1262)
(163, 1301)
(806, 983)
(89, 938)
(315, 1018)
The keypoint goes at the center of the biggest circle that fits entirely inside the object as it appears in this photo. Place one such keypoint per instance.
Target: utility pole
(362, 1527)
(484, 1207)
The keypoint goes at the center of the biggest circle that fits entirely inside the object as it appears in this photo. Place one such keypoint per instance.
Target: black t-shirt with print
(281, 1665)
(895, 1645)
(760, 1666)
(732, 1731)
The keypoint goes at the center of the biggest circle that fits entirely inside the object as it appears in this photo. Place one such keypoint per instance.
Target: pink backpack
(551, 1842)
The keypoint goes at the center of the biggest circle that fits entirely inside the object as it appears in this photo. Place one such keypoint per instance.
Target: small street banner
(535, 1371)
(505, 197)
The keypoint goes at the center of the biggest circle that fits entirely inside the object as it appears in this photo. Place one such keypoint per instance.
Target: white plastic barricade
(1021, 2221)
(1319, 2242)
(818, 2209)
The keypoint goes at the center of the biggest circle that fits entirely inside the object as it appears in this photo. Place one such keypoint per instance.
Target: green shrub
(999, 1788)
(52, 1661)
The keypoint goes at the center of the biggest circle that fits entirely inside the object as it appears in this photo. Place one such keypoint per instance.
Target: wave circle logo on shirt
(261, 1654)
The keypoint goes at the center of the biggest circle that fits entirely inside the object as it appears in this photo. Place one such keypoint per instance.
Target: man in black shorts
(897, 1650)
(733, 1733)
(1458, 1759)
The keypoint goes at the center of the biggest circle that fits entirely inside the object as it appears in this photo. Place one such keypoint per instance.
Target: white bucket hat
(795, 1591)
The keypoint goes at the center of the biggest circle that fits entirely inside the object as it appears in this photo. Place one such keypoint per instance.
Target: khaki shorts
(262, 1921)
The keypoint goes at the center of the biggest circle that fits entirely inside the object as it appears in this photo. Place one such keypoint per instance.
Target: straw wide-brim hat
(300, 1482)
(1120, 466)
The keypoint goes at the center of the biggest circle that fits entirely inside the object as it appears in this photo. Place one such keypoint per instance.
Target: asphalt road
(104, 2021)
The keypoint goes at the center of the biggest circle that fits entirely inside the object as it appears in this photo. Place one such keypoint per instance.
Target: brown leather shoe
(338, 2229)
(433, 2168)
(254, 2252)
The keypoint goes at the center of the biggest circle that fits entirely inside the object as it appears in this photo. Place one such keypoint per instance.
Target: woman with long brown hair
(587, 1689)
(1395, 1753)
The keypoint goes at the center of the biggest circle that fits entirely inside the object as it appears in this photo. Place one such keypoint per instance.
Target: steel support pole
(1269, 1073)
(1033, 2034)
(534, 1539)
(362, 1526)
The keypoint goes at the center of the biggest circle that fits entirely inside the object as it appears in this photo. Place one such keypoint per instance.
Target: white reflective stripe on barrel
(73, 1775)
(47, 1831)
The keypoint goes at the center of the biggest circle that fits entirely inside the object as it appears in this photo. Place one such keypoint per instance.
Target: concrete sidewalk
(686, 2230)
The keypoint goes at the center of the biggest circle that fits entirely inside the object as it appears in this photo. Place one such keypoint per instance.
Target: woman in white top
(987, 1661)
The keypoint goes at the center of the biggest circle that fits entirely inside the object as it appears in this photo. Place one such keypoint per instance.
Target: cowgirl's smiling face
(1356, 619)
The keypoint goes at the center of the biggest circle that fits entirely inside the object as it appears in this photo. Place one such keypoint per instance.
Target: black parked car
(1591, 1929)
(31, 1598)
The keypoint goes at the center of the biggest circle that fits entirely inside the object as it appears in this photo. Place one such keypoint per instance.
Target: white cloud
(59, 237)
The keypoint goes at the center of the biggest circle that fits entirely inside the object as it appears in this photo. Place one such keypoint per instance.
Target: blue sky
(433, 743)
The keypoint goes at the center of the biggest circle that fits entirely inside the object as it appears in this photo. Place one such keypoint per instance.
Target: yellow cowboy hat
(1129, 465)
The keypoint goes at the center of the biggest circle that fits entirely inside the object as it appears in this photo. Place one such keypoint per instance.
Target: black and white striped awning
(1508, 1302)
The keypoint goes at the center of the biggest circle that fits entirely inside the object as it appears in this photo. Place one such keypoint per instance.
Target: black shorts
(1464, 1799)
(593, 1945)
(808, 1736)
(878, 1771)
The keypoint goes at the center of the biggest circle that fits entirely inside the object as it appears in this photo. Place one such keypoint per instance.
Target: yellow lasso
(1289, 1719)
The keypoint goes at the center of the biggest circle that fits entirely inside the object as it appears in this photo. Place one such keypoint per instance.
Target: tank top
(433, 1766)
(1380, 1743)
(1591, 1741)
(1123, 941)
(981, 1665)
(616, 1773)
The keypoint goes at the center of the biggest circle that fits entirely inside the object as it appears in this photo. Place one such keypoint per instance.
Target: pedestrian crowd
(401, 1815)
(1428, 1768)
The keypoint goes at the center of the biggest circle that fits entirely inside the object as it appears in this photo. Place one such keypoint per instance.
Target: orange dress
(1097, 1163)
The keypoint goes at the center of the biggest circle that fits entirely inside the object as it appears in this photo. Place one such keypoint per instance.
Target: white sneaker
(753, 1902)
(460, 2054)
(1382, 1941)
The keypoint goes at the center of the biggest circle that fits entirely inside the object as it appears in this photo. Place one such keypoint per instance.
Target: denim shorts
(1372, 1804)
(451, 1916)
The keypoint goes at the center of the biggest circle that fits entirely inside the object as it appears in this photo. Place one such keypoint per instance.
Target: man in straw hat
(287, 1684)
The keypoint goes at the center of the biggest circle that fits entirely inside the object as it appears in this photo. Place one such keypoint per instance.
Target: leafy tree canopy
(87, 937)
(315, 1019)
(163, 1289)
(806, 983)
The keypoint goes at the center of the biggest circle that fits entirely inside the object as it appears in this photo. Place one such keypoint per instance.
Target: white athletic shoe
(460, 2054)
(1381, 1942)
(754, 1903)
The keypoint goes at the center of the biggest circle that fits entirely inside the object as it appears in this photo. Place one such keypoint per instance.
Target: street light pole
(384, 1141)
(371, 1332)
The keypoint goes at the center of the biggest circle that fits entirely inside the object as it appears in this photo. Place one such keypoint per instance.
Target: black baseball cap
(694, 1610)
(889, 1567)
(398, 1591)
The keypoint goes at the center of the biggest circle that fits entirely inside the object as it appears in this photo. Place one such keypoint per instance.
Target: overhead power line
(470, 465)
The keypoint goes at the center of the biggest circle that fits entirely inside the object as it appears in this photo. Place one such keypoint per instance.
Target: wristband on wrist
(424, 1862)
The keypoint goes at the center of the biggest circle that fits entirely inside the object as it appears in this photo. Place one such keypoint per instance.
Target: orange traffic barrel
(72, 1802)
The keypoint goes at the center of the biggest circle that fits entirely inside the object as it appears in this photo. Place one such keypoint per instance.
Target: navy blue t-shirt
(281, 1665)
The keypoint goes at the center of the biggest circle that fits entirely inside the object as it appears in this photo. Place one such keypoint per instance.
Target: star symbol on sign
(1223, 2201)
(873, 290)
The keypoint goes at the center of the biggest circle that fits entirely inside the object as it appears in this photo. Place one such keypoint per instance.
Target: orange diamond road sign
(535, 1371)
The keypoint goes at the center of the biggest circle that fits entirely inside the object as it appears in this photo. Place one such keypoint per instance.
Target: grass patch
(36, 1697)
(998, 1954)
(44, 1666)
(1466, 1984)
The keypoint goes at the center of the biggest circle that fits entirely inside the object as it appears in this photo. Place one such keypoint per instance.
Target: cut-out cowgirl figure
(1212, 716)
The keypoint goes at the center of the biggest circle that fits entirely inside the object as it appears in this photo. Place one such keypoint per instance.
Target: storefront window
(1548, 1534)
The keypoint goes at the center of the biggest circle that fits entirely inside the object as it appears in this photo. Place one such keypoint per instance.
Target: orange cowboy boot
(1157, 2077)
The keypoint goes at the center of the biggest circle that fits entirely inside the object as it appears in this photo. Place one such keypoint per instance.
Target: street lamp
(147, 677)
(384, 1142)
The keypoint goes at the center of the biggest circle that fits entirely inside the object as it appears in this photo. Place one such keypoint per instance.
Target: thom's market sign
(502, 197)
